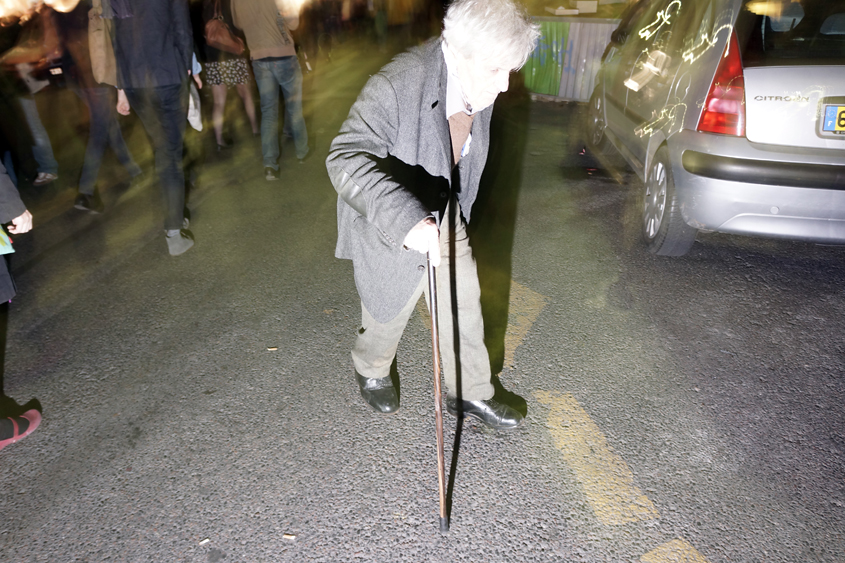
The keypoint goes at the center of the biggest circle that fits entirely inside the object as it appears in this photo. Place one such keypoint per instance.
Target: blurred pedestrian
(101, 99)
(224, 70)
(275, 64)
(14, 426)
(153, 48)
(42, 148)
(406, 165)
(380, 24)
(15, 138)
(38, 41)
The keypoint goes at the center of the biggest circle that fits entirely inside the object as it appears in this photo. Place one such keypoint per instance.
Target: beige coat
(267, 31)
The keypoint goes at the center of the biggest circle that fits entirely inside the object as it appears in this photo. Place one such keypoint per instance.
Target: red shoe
(32, 418)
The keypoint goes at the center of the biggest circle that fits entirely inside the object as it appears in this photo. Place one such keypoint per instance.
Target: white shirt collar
(454, 95)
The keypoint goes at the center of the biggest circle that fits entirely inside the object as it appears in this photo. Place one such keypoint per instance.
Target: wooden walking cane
(438, 409)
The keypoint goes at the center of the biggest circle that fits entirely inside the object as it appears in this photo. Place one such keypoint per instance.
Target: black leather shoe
(379, 393)
(490, 412)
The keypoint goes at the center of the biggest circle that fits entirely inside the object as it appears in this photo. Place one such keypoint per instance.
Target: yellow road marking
(606, 479)
(675, 551)
(525, 306)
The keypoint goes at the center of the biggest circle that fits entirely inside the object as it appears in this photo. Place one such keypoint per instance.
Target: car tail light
(724, 108)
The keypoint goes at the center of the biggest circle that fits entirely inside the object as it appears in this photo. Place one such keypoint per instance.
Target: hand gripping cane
(438, 409)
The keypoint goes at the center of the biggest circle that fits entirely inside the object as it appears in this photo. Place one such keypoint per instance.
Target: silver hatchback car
(732, 112)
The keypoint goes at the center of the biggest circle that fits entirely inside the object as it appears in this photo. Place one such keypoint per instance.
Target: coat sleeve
(358, 167)
(11, 205)
(184, 40)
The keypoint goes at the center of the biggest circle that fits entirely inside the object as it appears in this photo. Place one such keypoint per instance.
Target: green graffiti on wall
(544, 67)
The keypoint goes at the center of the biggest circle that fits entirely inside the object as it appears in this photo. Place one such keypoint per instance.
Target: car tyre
(597, 141)
(664, 229)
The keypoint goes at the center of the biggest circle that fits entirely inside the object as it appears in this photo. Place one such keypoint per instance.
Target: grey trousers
(461, 326)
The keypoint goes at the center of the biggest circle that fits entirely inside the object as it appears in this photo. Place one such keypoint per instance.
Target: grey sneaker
(178, 242)
(270, 175)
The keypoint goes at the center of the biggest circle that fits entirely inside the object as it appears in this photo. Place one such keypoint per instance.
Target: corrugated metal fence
(567, 58)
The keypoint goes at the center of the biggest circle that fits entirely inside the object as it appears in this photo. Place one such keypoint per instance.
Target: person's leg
(173, 107)
(116, 140)
(218, 94)
(376, 344)
(245, 92)
(268, 91)
(374, 353)
(6, 284)
(42, 150)
(98, 136)
(163, 112)
(466, 363)
(13, 426)
(290, 79)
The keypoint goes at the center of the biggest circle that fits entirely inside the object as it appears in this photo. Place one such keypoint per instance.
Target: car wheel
(596, 139)
(664, 230)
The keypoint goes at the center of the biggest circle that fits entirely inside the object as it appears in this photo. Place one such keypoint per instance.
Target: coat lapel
(435, 127)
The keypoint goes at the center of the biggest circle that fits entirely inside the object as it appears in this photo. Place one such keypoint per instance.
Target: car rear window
(785, 32)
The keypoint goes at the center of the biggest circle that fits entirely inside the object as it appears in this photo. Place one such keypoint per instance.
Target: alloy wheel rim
(655, 200)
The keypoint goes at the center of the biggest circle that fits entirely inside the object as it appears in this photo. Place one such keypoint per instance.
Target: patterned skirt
(230, 72)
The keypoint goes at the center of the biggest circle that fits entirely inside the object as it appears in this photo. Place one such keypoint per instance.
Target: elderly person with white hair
(406, 165)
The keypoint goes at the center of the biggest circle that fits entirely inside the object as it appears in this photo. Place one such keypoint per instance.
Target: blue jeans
(42, 150)
(270, 74)
(103, 130)
(164, 112)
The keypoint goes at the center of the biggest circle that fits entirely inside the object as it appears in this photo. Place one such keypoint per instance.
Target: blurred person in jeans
(14, 425)
(42, 149)
(153, 48)
(101, 99)
(275, 65)
(14, 131)
(40, 17)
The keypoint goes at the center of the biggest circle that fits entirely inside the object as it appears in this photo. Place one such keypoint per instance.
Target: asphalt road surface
(203, 408)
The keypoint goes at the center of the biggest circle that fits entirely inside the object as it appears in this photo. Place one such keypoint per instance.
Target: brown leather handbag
(219, 36)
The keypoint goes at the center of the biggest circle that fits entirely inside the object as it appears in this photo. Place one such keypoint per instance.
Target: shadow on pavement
(491, 230)
(491, 234)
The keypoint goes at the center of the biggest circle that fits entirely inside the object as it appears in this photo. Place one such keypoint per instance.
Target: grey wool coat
(391, 165)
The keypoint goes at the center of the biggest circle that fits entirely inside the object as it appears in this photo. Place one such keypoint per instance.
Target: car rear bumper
(748, 171)
(730, 185)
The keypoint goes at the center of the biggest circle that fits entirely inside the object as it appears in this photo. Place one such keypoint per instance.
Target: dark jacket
(154, 46)
(14, 131)
(11, 207)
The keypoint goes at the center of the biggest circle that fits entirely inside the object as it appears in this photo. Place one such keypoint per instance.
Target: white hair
(500, 29)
